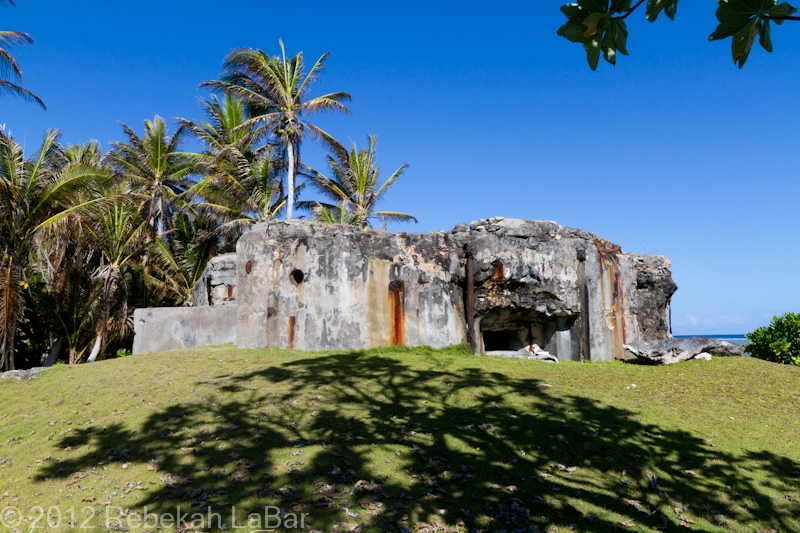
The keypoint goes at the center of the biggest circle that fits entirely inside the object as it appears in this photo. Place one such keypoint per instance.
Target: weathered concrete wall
(570, 292)
(217, 286)
(312, 287)
(160, 329)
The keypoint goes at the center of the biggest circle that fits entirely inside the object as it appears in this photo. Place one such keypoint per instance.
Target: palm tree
(72, 304)
(9, 66)
(119, 234)
(157, 171)
(224, 126)
(36, 195)
(243, 190)
(355, 184)
(243, 178)
(275, 90)
(175, 272)
(65, 259)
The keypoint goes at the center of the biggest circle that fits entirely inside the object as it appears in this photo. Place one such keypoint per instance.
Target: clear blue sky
(673, 152)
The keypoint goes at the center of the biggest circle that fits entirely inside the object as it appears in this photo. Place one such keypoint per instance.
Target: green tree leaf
(592, 22)
(743, 42)
(655, 7)
(743, 20)
(593, 52)
(572, 30)
(765, 38)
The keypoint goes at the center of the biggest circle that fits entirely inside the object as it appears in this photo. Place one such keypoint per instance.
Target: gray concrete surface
(160, 329)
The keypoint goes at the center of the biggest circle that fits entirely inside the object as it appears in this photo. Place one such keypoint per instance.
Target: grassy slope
(410, 439)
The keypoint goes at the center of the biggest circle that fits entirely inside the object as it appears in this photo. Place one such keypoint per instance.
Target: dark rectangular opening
(497, 341)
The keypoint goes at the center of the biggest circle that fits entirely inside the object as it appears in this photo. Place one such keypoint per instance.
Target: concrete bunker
(521, 288)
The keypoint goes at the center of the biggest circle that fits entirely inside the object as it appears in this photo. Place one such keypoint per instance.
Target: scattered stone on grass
(19, 375)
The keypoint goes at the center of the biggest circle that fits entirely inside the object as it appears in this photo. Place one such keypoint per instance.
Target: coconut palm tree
(355, 184)
(275, 91)
(242, 189)
(72, 304)
(9, 66)
(36, 195)
(175, 272)
(243, 177)
(119, 234)
(65, 260)
(224, 126)
(157, 171)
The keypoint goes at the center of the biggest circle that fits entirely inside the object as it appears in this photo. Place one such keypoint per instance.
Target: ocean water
(736, 339)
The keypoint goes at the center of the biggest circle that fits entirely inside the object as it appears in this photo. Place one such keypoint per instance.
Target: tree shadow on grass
(365, 442)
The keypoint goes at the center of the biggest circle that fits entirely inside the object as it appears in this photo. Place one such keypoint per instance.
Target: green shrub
(123, 352)
(779, 342)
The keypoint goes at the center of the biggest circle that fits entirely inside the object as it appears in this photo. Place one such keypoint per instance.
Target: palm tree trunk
(109, 286)
(95, 350)
(51, 359)
(8, 327)
(290, 180)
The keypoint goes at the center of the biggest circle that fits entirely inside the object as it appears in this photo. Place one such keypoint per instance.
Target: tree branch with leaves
(599, 25)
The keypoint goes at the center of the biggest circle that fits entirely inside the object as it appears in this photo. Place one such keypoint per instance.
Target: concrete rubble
(669, 351)
(510, 287)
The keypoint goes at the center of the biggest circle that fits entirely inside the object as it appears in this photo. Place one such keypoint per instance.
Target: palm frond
(9, 68)
(394, 216)
(338, 215)
(12, 89)
(328, 102)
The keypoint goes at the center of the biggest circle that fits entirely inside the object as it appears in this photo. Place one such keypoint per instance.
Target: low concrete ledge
(159, 329)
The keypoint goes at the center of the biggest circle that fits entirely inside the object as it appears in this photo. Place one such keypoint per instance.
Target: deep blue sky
(673, 152)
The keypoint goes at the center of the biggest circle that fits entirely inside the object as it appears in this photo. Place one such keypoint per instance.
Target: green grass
(414, 440)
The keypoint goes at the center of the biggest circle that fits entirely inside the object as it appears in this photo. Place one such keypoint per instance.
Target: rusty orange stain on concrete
(292, 323)
(397, 312)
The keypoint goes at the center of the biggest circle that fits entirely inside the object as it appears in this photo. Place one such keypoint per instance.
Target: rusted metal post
(585, 342)
(469, 304)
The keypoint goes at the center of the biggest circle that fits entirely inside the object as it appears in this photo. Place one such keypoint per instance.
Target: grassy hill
(401, 440)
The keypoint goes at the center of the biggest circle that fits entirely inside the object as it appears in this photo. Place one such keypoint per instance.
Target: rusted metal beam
(585, 342)
(469, 300)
